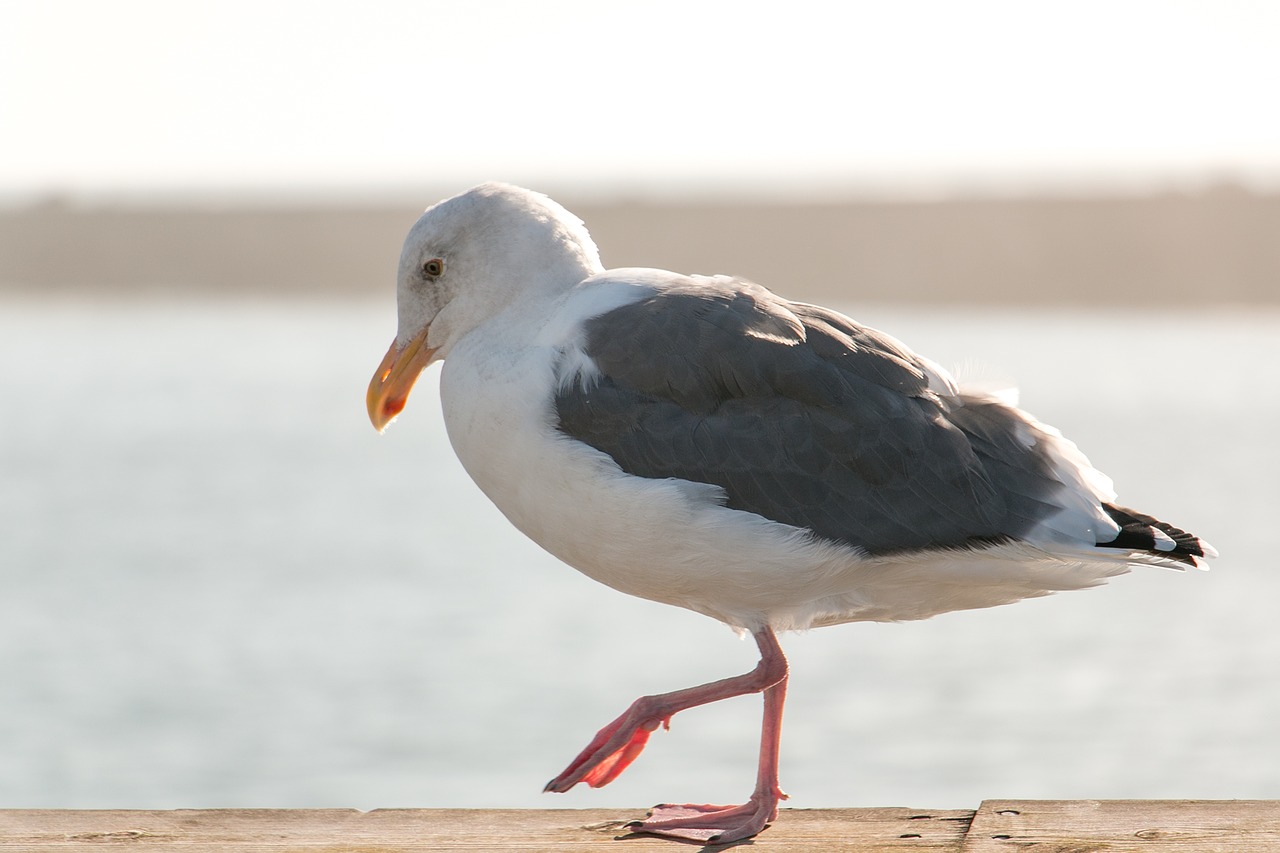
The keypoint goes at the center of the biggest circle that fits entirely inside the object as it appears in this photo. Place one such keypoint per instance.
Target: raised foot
(612, 749)
(709, 824)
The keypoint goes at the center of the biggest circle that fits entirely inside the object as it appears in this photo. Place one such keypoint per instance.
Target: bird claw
(610, 752)
(708, 824)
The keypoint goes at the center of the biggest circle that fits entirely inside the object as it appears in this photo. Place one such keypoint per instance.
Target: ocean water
(221, 588)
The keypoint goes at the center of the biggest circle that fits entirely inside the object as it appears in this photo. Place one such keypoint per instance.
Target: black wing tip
(1146, 533)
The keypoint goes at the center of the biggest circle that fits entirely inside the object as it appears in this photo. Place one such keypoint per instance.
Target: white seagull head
(467, 259)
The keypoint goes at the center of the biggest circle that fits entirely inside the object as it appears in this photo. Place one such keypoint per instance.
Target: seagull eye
(433, 268)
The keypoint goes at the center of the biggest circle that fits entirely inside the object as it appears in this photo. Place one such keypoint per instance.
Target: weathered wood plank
(883, 830)
(1000, 826)
(1121, 826)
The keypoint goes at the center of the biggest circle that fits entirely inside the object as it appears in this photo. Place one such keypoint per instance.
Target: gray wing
(804, 417)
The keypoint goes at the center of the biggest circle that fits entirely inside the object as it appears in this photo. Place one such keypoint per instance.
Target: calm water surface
(221, 588)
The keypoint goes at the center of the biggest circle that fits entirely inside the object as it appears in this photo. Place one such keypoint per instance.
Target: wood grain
(1120, 826)
(398, 830)
(998, 826)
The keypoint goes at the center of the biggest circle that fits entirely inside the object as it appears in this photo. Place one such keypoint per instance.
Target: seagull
(702, 442)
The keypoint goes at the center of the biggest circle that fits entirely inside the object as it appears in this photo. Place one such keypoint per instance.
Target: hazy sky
(318, 96)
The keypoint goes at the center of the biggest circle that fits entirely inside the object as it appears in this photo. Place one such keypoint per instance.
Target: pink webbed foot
(618, 744)
(711, 824)
(612, 749)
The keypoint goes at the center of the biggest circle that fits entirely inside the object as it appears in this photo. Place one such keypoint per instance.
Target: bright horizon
(999, 95)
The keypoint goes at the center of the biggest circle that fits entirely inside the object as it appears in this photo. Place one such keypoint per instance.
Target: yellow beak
(389, 389)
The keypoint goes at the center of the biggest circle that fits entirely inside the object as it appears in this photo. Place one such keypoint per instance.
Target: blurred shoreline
(1169, 249)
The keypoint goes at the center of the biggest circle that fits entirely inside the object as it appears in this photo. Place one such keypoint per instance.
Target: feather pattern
(807, 418)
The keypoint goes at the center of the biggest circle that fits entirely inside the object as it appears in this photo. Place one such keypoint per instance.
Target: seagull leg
(617, 745)
(724, 824)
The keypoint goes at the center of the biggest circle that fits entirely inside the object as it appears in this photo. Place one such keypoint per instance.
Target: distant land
(1220, 246)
